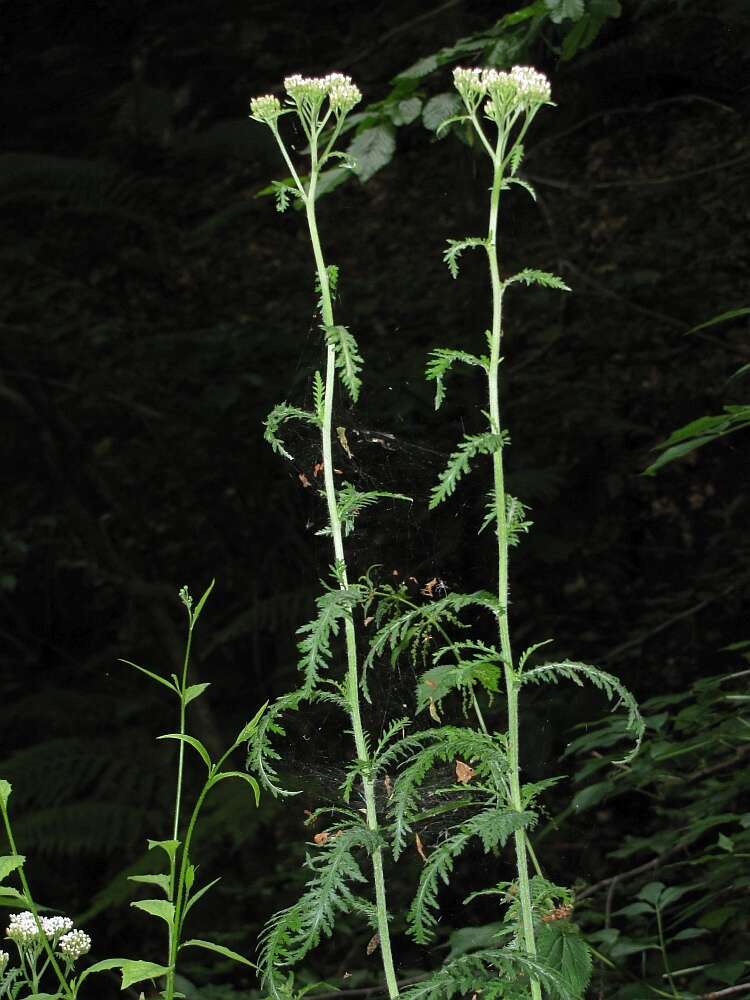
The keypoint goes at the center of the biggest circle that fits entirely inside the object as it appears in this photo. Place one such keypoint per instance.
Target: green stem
(352, 686)
(32, 906)
(511, 685)
(663, 946)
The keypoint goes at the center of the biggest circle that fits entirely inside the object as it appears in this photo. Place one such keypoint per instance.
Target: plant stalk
(352, 687)
(511, 684)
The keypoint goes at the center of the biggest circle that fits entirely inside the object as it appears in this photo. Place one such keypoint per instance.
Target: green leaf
(456, 248)
(611, 685)
(348, 359)
(152, 675)
(191, 741)
(201, 602)
(521, 183)
(352, 501)
(12, 897)
(168, 846)
(405, 112)
(199, 893)
(5, 789)
(219, 949)
(194, 691)
(439, 108)
(530, 276)
(243, 776)
(442, 359)
(319, 392)
(423, 67)
(8, 864)
(161, 880)
(249, 728)
(698, 432)
(563, 10)
(459, 463)
(561, 947)
(372, 150)
(160, 908)
(278, 416)
(721, 318)
(133, 971)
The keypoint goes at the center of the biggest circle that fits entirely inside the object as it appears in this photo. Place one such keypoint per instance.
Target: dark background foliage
(153, 310)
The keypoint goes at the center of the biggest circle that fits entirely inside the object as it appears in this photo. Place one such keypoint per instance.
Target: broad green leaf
(564, 10)
(160, 908)
(168, 846)
(439, 108)
(652, 892)
(133, 970)
(195, 691)
(152, 675)
(12, 897)
(372, 149)
(219, 949)
(161, 880)
(9, 863)
(561, 947)
(405, 112)
(191, 741)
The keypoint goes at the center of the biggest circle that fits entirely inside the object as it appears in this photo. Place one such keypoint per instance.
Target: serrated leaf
(456, 248)
(160, 908)
(8, 864)
(439, 108)
(161, 880)
(521, 183)
(348, 359)
(218, 949)
(278, 416)
(372, 150)
(459, 463)
(319, 392)
(562, 948)
(530, 276)
(440, 362)
(405, 112)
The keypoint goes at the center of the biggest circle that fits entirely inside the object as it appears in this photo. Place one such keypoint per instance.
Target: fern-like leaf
(456, 248)
(348, 359)
(315, 646)
(493, 826)
(611, 685)
(278, 416)
(524, 184)
(530, 276)
(440, 362)
(459, 462)
(352, 501)
(319, 394)
(294, 932)
(515, 157)
(492, 971)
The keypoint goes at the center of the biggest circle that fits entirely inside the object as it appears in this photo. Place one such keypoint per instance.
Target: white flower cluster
(266, 110)
(4, 959)
(23, 930)
(523, 87)
(74, 944)
(341, 92)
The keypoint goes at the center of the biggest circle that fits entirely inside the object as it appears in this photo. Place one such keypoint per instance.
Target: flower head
(22, 929)
(4, 959)
(74, 944)
(265, 109)
(55, 926)
(339, 89)
(522, 88)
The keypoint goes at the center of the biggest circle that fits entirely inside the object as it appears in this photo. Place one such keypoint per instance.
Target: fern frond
(492, 972)
(456, 248)
(279, 415)
(459, 462)
(493, 827)
(294, 932)
(611, 685)
(352, 501)
(441, 360)
(348, 359)
(530, 276)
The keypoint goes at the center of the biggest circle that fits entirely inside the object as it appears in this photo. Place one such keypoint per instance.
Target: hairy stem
(511, 684)
(352, 687)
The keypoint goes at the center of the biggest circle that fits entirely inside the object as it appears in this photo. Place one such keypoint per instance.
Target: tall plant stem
(511, 684)
(352, 687)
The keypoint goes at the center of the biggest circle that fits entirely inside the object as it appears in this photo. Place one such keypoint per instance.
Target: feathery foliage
(459, 462)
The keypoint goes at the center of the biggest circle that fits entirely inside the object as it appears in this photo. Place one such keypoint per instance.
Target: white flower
(339, 89)
(22, 929)
(56, 925)
(522, 87)
(74, 944)
(533, 86)
(4, 959)
(265, 109)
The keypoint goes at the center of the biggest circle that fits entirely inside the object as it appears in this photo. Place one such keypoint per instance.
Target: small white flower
(523, 87)
(4, 959)
(56, 925)
(533, 86)
(468, 82)
(265, 109)
(22, 929)
(74, 944)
